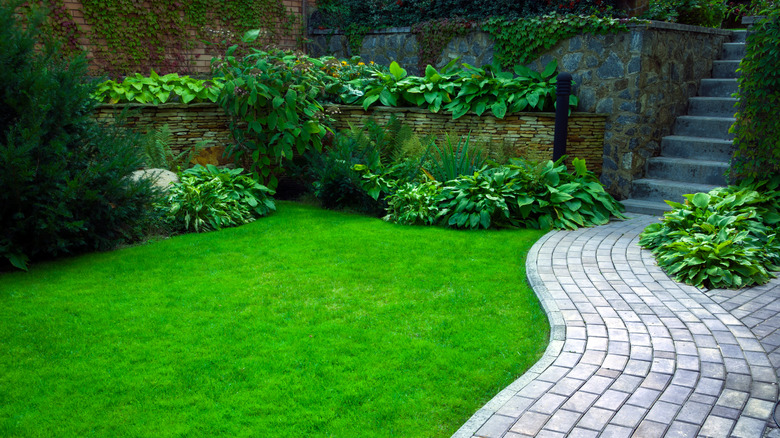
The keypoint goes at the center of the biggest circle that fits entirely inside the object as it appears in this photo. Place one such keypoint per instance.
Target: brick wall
(199, 57)
(527, 135)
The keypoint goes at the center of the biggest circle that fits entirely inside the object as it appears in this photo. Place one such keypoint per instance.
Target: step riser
(643, 189)
(705, 128)
(718, 87)
(702, 150)
(732, 51)
(695, 173)
(725, 70)
(652, 210)
(723, 107)
(739, 36)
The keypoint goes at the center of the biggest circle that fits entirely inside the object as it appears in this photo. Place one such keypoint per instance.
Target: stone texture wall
(189, 124)
(527, 135)
(641, 79)
(398, 44)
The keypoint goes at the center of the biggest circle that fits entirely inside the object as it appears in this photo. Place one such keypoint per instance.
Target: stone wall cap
(385, 30)
(413, 109)
(161, 105)
(652, 24)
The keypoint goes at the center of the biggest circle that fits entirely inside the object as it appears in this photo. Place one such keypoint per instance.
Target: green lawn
(304, 323)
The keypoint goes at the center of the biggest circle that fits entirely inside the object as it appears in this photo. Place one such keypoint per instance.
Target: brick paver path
(635, 354)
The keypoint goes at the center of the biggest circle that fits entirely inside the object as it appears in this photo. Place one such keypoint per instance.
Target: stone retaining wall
(527, 135)
(641, 79)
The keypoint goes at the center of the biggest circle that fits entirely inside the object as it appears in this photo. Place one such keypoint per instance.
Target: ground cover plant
(722, 239)
(307, 323)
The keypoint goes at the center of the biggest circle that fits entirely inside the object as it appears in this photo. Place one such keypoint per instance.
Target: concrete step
(725, 69)
(712, 106)
(733, 51)
(642, 206)
(739, 36)
(687, 170)
(650, 189)
(718, 87)
(697, 148)
(704, 126)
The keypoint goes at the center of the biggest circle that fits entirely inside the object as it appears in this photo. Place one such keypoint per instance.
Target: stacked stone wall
(528, 135)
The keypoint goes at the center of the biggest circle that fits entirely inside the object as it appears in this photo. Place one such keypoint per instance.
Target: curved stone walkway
(635, 354)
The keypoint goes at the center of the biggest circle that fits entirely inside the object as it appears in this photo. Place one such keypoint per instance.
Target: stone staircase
(696, 157)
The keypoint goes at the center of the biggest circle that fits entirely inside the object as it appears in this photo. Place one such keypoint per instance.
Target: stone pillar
(633, 8)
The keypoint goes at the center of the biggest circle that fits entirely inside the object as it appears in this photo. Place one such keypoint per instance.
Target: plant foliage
(707, 13)
(466, 89)
(520, 41)
(157, 152)
(272, 100)
(63, 186)
(209, 198)
(722, 239)
(156, 89)
(757, 129)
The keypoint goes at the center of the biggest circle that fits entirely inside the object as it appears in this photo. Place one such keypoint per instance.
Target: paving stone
(496, 426)
(639, 354)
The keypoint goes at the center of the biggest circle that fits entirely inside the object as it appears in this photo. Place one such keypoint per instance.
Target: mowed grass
(304, 323)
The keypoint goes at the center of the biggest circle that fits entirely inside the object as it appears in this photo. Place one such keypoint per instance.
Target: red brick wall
(199, 56)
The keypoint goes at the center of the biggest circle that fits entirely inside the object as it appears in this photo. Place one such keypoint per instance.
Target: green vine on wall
(518, 42)
(757, 128)
(355, 34)
(59, 26)
(131, 36)
(433, 36)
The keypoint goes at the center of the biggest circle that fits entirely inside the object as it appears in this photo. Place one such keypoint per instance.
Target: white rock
(162, 178)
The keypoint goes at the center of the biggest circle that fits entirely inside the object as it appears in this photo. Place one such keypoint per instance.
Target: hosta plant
(555, 198)
(479, 200)
(721, 239)
(210, 198)
(156, 89)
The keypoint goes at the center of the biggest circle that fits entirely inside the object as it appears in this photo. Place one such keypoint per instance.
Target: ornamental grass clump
(721, 239)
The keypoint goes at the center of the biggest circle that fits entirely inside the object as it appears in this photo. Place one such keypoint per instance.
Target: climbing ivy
(757, 129)
(355, 34)
(433, 36)
(59, 28)
(523, 40)
(132, 36)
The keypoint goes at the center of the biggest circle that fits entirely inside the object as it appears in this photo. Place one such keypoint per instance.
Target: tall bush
(757, 129)
(63, 182)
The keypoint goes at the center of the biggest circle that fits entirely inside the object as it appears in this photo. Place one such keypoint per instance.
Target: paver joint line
(634, 353)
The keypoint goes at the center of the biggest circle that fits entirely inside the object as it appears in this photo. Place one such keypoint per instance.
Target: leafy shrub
(707, 13)
(721, 239)
(209, 198)
(64, 187)
(272, 99)
(156, 89)
(157, 152)
(757, 129)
